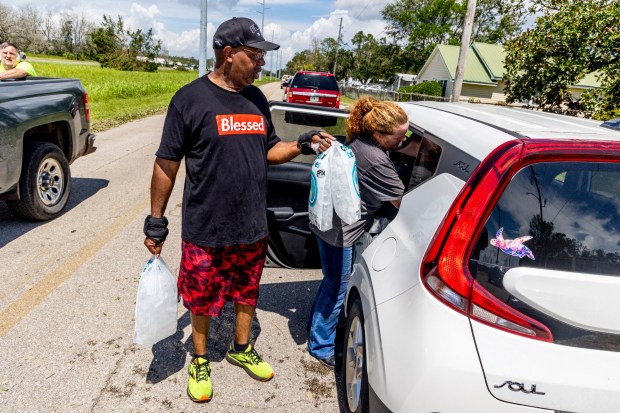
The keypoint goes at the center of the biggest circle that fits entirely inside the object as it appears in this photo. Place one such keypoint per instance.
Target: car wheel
(354, 374)
(45, 183)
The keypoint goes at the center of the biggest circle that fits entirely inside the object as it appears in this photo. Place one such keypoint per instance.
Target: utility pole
(262, 26)
(262, 12)
(465, 38)
(271, 70)
(202, 59)
(337, 47)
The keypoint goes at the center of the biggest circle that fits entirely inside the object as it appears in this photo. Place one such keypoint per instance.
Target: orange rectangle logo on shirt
(240, 124)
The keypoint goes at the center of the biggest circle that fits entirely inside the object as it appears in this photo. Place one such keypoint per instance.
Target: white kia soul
(496, 288)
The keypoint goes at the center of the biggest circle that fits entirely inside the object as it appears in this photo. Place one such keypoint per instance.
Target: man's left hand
(321, 141)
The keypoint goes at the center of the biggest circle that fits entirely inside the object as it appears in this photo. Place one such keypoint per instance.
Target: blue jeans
(336, 263)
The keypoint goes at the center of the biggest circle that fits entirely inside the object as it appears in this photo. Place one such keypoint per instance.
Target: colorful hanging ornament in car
(512, 247)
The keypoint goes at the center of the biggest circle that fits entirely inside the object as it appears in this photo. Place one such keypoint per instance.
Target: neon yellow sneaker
(251, 362)
(199, 383)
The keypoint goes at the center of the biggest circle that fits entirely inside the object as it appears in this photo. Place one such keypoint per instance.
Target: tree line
(72, 36)
(571, 39)
(413, 29)
(564, 41)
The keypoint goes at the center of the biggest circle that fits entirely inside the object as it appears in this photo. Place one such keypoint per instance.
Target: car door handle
(285, 217)
(282, 213)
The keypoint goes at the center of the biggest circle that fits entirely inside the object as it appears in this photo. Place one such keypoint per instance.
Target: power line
(359, 14)
(337, 47)
(262, 26)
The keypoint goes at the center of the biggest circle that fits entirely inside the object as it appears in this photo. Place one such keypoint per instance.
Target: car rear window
(571, 211)
(315, 81)
(566, 217)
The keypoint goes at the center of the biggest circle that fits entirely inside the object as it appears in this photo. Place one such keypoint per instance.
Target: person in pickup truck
(12, 67)
(220, 124)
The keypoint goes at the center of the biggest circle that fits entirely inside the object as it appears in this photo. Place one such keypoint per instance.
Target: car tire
(45, 183)
(354, 375)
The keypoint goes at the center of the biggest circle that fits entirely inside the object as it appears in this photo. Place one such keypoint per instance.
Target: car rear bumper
(425, 360)
(328, 104)
(375, 405)
(90, 144)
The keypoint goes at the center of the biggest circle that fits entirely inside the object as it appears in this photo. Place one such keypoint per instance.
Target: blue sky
(293, 24)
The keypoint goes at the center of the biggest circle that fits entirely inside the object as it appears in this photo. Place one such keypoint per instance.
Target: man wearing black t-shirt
(221, 125)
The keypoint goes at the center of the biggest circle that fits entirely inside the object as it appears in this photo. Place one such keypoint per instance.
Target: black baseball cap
(241, 31)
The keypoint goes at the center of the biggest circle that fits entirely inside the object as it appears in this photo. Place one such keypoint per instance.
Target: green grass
(345, 100)
(115, 96)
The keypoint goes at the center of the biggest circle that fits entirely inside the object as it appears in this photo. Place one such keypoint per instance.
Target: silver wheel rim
(354, 364)
(51, 181)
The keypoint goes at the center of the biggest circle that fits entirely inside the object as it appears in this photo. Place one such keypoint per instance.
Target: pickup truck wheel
(45, 183)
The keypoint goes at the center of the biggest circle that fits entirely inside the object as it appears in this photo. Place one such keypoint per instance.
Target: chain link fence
(384, 94)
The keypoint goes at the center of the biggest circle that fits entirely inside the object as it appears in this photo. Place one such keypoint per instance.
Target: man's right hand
(156, 231)
(153, 246)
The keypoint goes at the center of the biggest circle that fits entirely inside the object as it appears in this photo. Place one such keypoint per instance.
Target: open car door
(291, 243)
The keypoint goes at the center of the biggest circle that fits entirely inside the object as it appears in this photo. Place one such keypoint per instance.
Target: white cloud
(329, 27)
(177, 22)
(214, 4)
(185, 43)
(362, 10)
(141, 17)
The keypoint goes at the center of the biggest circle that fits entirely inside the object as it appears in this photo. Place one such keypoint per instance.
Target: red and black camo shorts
(209, 276)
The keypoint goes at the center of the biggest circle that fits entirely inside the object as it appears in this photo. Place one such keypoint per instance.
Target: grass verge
(117, 97)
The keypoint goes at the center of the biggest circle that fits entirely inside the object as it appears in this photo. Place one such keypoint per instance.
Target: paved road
(273, 91)
(67, 297)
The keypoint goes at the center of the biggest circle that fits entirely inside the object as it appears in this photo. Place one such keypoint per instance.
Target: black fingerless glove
(156, 228)
(304, 142)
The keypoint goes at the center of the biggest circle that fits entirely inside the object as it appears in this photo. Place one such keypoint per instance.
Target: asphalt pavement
(67, 302)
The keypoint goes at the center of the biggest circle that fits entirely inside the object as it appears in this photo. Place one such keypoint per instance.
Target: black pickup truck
(44, 127)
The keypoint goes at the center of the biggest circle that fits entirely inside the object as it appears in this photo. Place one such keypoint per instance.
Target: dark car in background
(313, 88)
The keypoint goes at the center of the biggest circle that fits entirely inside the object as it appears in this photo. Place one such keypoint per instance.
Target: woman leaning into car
(373, 128)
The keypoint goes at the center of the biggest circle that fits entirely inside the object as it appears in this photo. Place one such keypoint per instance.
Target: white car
(495, 289)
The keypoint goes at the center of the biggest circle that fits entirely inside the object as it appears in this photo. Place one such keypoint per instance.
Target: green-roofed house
(589, 81)
(484, 72)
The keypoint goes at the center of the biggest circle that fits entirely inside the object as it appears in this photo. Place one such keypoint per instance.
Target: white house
(401, 80)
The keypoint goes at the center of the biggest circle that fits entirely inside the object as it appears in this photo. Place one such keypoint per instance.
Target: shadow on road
(290, 299)
(170, 355)
(14, 227)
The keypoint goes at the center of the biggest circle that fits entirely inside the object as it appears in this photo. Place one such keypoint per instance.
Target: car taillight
(445, 270)
(86, 106)
(337, 101)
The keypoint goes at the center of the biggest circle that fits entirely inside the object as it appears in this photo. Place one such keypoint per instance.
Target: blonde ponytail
(370, 115)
